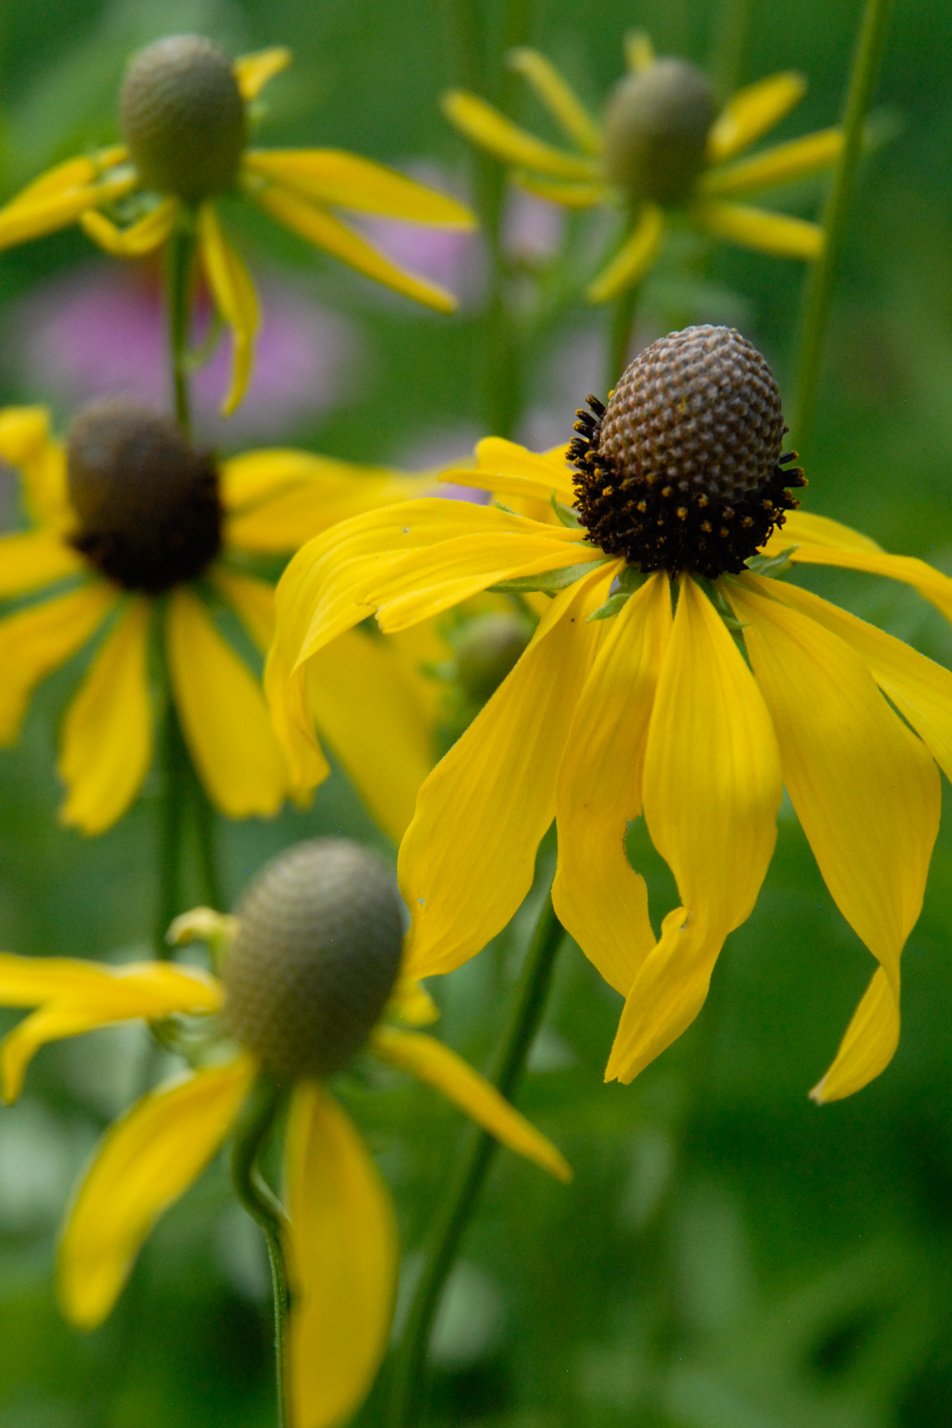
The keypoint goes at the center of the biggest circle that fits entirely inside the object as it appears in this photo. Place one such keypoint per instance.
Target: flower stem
(620, 333)
(869, 49)
(448, 1231)
(251, 1139)
(180, 253)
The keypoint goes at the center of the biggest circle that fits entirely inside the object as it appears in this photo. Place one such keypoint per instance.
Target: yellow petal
(23, 432)
(342, 180)
(468, 858)
(568, 194)
(368, 712)
(139, 238)
(255, 70)
(868, 1044)
(430, 1061)
(318, 226)
(564, 105)
(235, 298)
(781, 164)
(28, 981)
(142, 1165)
(920, 689)
(804, 528)
(752, 111)
(25, 442)
(860, 554)
(148, 990)
(757, 228)
(342, 1253)
(599, 899)
(633, 258)
(34, 558)
(639, 51)
(485, 126)
(224, 718)
(711, 789)
(37, 640)
(865, 789)
(58, 198)
(106, 740)
(507, 469)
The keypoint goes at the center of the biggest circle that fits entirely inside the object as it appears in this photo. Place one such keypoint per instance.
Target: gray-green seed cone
(656, 128)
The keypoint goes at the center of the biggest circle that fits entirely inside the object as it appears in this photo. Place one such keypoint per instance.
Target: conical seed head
(147, 503)
(315, 958)
(183, 117)
(656, 129)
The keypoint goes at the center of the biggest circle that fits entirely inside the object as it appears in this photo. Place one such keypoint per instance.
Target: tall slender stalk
(450, 1226)
(866, 61)
(179, 259)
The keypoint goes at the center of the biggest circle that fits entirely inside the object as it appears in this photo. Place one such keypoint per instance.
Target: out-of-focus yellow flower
(311, 974)
(661, 150)
(185, 112)
(135, 532)
(634, 697)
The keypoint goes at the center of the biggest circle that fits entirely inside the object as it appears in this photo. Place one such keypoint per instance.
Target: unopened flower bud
(656, 128)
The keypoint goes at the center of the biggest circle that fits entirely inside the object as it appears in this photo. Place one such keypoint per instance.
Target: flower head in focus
(139, 541)
(662, 149)
(185, 112)
(677, 676)
(312, 974)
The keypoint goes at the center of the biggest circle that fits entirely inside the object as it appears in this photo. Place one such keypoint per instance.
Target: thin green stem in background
(730, 41)
(869, 50)
(251, 1140)
(179, 257)
(620, 332)
(410, 1354)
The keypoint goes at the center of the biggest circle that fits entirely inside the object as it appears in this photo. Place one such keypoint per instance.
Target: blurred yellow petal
(562, 103)
(633, 258)
(781, 164)
(757, 228)
(865, 789)
(569, 195)
(368, 712)
(39, 639)
(23, 432)
(342, 1260)
(342, 180)
(59, 198)
(711, 789)
(25, 443)
(598, 897)
(106, 739)
(412, 1004)
(34, 558)
(639, 51)
(139, 238)
(318, 226)
(148, 991)
(253, 71)
(235, 298)
(251, 599)
(142, 1165)
(430, 1061)
(752, 111)
(27, 981)
(487, 127)
(468, 858)
(224, 718)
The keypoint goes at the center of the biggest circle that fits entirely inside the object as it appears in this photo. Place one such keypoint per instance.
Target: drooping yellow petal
(598, 897)
(235, 298)
(323, 229)
(58, 198)
(224, 718)
(143, 1164)
(565, 193)
(30, 559)
(106, 739)
(37, 640)
(369, 714)
(865, 789)
(139, 238)
(920, 689)
(804, 528)
(342, 180)
(139, 990)
(467, 860)
(560, 100)
(711, 790)
(930, 583)
(253, 71)
(781, 164)
(758, 228)
(639, 51)
(868, 1043)
(430, 1061)
(342, 1260)
(752, 111)
(633, 258)
(487, 127)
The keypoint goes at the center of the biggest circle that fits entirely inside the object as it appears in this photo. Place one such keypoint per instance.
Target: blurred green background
(729, 1255)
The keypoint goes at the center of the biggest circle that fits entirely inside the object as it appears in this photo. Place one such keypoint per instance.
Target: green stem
(869, 49)
(174, 761)
(733, 24)
(447, 1233)
(180, 253)
(620, 333)
(255, 1194)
